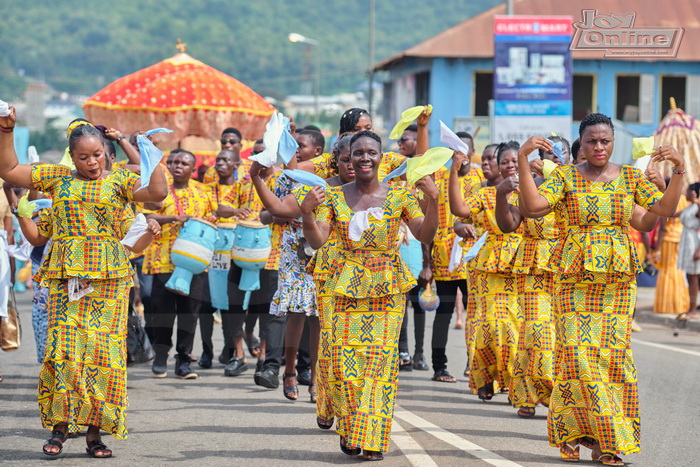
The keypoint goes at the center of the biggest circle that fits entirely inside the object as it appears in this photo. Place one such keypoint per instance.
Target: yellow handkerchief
(24, 207)
(67, 160)
(407, 116)
(427, 164)
(547, 168)
(642, 147)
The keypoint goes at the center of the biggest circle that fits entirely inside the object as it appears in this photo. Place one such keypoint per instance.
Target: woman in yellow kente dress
(595, 399)
(497, 317)
(83, 377)
(369, 281)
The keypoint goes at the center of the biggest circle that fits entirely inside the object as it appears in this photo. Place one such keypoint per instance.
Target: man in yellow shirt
(185, 200)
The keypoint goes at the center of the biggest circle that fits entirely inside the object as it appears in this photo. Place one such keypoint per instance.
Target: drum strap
(178, 202)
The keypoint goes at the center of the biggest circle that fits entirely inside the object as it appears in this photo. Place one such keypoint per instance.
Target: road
(218, 420)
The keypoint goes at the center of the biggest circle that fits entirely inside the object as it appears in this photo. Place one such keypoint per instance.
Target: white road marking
(450, 438)
(410, 448)
(666, 347)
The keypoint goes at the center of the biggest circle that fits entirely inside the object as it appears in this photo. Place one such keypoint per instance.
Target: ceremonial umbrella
(184, 95)
(681, 131)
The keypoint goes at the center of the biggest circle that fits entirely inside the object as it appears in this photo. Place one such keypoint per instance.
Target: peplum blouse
(372, 266)
(498, 253)
(541, 238)
(597, 236)
(87, 222)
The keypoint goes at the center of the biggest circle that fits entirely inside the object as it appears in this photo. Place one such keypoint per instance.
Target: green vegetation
(81, 47)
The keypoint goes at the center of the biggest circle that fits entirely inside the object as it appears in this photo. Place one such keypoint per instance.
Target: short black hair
(311, 127)
(695, 187)
(489, 146)
(339, 145)
(84, 131)
(234, 131)
(350, 118)
(412, 127)
(260, 141)
(595, 119)
(506, 146)
(366, 134)
(464, 134)
(575, 148)
(185, 151)
(109, 148)
(317, 138)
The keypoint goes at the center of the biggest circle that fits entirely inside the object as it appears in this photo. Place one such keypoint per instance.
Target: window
(627, 103)
(423, 88)
(483, 92)
(672, 86)
(583, 96)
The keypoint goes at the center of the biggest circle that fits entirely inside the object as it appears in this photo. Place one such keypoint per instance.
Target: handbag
(138, 347)
(10, 327)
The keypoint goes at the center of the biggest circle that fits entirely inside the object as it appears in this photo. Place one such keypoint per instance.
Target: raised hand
(427, 186)
(533, 144)
(508, 185)
(537, 166)
(7, 123)
(458, 160)
(654, 176)
(112, 134)
(313, 199)
(424, 117)
(669, 153)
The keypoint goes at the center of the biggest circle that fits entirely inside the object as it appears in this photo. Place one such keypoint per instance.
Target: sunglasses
(230, 141)
(404, 139)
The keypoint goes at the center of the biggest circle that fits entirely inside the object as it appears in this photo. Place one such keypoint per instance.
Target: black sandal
(324, 424)
(57, 439)
(347, 450)
(97, 445)
(486, 392)
(372, 456)
(289, 390)
(444, 376)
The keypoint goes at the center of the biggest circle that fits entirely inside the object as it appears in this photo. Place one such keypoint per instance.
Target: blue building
(453, 70)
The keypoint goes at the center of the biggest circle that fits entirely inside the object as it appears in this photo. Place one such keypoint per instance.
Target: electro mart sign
(532, 84)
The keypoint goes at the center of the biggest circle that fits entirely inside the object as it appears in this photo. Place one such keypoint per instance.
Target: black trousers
(447, 291)
(166, 306)
(418, 324)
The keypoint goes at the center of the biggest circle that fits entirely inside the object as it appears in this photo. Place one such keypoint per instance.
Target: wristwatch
(121, 137)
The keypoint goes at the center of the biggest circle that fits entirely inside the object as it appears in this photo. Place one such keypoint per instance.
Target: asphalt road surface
(218, 420)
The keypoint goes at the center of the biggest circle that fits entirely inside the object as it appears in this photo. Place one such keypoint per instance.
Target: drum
(191, 253)
(251, 248)
(220, 265)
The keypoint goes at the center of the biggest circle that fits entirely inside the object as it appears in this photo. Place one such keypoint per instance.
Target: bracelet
(6, 129)
(678, 172)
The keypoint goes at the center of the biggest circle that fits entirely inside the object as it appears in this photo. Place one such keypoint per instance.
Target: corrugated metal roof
(473, 38)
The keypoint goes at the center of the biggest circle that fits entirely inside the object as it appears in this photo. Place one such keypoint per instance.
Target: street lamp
(294, 37)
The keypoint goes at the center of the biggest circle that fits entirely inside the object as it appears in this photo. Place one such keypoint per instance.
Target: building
(453, 70)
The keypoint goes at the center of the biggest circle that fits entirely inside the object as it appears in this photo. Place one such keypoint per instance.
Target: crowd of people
(537, 251)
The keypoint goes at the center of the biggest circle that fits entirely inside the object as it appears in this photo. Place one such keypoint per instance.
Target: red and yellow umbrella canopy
(183, 94)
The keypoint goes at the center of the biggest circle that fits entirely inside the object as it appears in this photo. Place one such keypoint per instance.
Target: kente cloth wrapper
(456, 256)
(305, 178)
(150, 155)
(452, 141)
(32, 155)
(642, 147)
(4, 109)
(547, 168)
(643, 162)
(280, 145)
(474, 250)
(67, 160)
(397, 172)
(407, 117)
(360, 222)
(427, 164)
(558, 150)
(138, 228)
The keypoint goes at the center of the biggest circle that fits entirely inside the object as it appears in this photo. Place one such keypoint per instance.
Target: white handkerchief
(20, 252)
(474, 250)
(4, 109)
(138, 228)
(32, 155)
(643, 162)
(456, 255)
(280, 146)
(78, 288)
(360, 222)
(451, 139)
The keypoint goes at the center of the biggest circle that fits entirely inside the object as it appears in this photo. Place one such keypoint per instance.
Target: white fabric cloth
(451, 139)
(20, 252)
(456, 255)
(360, 222)
(4, 109)
(280, 145)
(474, 250)
(5, 277)
(642, 163)
(150, 155)
(138, 228)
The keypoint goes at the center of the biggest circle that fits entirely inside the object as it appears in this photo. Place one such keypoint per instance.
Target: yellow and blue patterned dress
(495, 326)
(533, 367)
(83, 377)
(369, 281)
(595, 382)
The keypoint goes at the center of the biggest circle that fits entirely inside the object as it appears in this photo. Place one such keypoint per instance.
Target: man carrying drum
(186, 200)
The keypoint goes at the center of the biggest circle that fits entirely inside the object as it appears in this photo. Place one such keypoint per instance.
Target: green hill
(80, 47)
